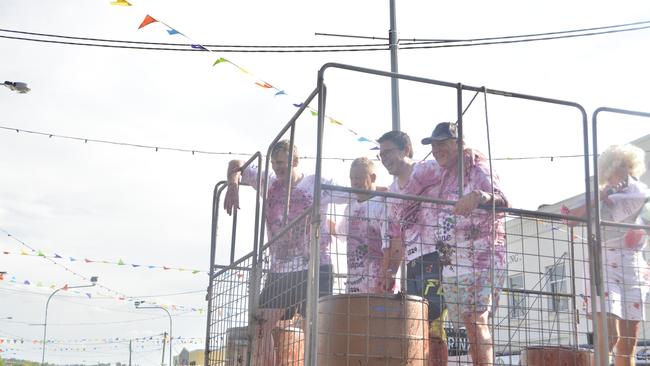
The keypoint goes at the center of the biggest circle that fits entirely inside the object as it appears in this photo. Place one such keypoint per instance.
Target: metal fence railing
(330, 304)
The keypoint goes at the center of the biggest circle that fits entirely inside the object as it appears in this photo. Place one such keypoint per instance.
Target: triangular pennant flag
(151, 267)
(263, 84)
(121, 2)
(52, 286)
(297, 105)
(172, 31)
(87, 294)
(281, 92)
(22, 252)
(314, 113)
(57, 256)
(182, 270)
(6, 253)
(120, 263)
(165, 268)
(2, 276)
(72, 259)
(88, 260)
(199, 47)
(335, 122)
(106, 262)
(363, 139)
(147, 20)
(40, 254)
(65, 287)
(374, 148)
(135, 265)
(195, 271)
(219, 60)
(26, 282)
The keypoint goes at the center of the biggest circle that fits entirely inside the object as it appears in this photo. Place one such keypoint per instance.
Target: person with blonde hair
(626, 274)
(363, 226)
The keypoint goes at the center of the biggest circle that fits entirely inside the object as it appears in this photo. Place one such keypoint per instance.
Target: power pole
(393, 44)
(130, 351)
(162, 363)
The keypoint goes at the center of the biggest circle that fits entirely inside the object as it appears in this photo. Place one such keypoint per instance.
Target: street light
(17, 86)
(137, 306)
(93, 279)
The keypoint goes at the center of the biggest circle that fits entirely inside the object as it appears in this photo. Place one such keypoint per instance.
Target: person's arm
(231, 201)
(391, 261)
(484, 194)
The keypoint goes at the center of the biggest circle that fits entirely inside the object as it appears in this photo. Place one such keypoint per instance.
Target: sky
(105, 202)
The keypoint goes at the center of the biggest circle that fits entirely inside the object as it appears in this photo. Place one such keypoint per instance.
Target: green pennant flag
(314, 113)
(219, 60)
(40, 254)
(195, 271)
(120, 263)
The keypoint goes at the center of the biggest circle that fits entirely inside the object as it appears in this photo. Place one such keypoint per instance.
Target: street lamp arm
(17, 86)
(47, 305)
(137, 306)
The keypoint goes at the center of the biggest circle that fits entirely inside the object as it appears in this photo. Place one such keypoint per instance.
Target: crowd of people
(454, 255)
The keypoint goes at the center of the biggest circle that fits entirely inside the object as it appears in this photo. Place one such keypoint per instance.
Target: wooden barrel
(372, 329)
(236, 346)
(556, 356)
(289, 344)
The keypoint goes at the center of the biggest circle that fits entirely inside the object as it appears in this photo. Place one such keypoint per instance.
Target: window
(517, 300)
(557, 284)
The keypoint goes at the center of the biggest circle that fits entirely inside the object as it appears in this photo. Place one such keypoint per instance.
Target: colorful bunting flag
(172, 31)
(199, 47)
(121, 3)
(219, 60)
(263, 84)
(147, 20)
(281, 92)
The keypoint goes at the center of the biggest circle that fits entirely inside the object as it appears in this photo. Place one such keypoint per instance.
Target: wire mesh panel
(229, 317)
(542, 309)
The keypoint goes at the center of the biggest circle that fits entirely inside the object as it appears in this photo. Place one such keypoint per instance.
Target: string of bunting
(120, 262)
(156, 338)
(12, 279)
(76, 274)
(257, 81)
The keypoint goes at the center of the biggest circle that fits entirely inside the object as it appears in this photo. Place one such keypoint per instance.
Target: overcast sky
(109, 203)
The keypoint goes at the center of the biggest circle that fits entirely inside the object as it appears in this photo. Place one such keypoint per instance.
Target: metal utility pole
(162, 362)
(393, 43)
(130, 351)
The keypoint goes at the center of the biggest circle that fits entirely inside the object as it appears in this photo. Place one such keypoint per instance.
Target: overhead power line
(413, 44)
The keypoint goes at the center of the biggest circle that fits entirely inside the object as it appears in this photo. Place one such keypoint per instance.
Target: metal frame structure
(251, 262)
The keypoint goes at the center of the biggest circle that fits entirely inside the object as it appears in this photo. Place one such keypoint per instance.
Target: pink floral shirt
(465, 244)
(363, 226)
(290, 253)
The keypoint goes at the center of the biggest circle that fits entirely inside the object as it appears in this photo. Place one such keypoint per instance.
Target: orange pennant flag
(147, 20)
(264, 84)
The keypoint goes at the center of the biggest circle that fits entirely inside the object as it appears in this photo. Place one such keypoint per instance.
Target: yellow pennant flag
(121, 3)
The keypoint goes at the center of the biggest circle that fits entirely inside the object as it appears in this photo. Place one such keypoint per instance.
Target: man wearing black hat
(469, 242)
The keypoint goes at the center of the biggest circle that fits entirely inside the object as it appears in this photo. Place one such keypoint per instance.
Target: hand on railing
(231, 201)
(468, 203)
